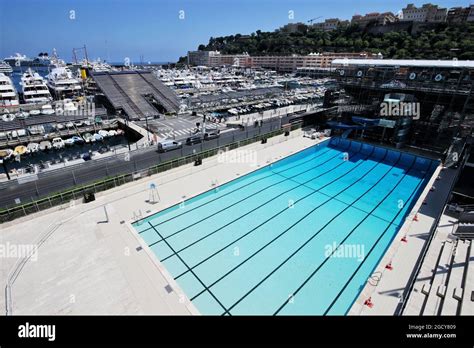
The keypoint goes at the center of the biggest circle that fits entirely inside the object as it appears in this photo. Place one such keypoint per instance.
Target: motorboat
(98, 137)
(20, 150)
(58, 143)
(69, 142)
(104, 133)
(77, 139)
(23, 114)
(63, 84)
(33, 147)
(88, 137)
(5, 68)
(8, 117)
(8, 94)
(58, 126)
(6, 154)
(36, 130)
(47, 109)
(34, 88)
(45, 145)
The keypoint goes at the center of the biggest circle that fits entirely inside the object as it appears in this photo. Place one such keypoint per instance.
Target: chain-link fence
(54, 188)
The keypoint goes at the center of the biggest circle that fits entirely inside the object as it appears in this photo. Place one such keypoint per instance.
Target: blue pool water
(298, 237)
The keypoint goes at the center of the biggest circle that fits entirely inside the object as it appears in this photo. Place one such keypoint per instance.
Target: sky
(159, 30)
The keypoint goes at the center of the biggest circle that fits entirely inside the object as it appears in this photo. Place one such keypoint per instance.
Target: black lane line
(282, 233)
(336, 199)
(373, 247)
(345, 238)
(195, 275)
(245, 198)
(250, 183)
(235, 203)
(323, 227)
(251, 212)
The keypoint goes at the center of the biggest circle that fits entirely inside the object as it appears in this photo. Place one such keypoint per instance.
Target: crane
(313, 19)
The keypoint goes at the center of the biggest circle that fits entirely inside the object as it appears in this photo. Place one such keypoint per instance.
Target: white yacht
(8, 94)
(5, 67)
(34, 88)
(63, 84)
(18, 60)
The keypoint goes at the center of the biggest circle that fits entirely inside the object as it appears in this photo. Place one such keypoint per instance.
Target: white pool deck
(86, 265)
(385, 290)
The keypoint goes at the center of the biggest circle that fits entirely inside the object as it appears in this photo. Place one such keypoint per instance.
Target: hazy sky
(115, 29)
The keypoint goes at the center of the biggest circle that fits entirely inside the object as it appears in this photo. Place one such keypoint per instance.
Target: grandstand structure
(442, 89)
(137, 93)
(445, 283)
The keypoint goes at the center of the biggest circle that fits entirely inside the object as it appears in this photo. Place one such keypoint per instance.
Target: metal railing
(78, 191)
(414, 276)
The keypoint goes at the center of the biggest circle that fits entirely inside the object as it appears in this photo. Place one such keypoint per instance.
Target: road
(15, 192)
(176, 127)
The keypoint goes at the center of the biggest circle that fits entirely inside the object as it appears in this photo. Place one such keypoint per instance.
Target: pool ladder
(375, 278)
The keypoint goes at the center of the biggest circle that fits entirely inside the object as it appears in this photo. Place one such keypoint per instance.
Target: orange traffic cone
(404, 239)
(389, 266)
(368, 302)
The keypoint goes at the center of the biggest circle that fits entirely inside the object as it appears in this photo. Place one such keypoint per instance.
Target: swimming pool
(298, 237)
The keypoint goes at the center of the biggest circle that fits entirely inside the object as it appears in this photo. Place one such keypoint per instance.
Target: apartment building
(215, 59)
(458, 14)
(470, 16)
(278, 63)
(331, 24)
(291, 63)
(240, 60)
(374, 17)
(203, 58)
(426, 13)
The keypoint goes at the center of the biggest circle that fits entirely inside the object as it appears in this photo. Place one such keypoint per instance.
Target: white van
(168, 145)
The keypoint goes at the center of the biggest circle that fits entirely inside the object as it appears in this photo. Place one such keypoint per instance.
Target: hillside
(441, 41)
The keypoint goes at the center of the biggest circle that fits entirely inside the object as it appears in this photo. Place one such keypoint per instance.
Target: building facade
(426, 13)
(197, 58)
(278, 63)
(374, 17)
(458, 14)
(331, 24)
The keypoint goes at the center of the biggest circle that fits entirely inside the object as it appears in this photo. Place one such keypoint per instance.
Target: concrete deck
(88, 259)
(386, 289)
(444, 284)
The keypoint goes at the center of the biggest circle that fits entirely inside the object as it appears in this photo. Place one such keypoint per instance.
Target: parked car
(194, 139)
(213, 134)
(167, 145)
